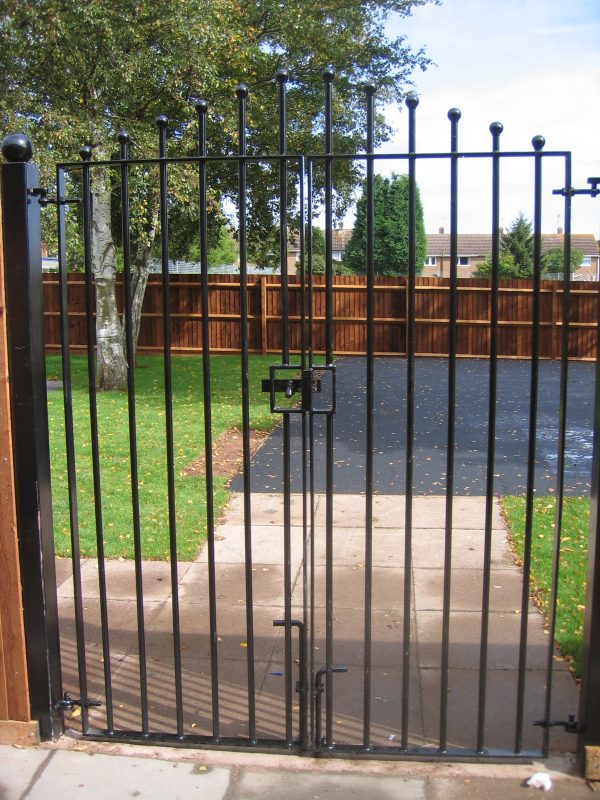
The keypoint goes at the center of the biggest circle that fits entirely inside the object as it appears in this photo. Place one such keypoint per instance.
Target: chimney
(441, 230)
(559, 230)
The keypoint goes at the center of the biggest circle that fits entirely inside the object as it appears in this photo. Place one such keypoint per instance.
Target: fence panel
(432, 308)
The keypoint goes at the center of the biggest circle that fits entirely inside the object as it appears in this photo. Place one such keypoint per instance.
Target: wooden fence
(432, 308)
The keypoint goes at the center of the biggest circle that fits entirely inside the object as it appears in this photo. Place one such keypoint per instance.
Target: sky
(534, 66)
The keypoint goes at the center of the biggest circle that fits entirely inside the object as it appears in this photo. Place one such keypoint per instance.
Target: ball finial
(412, 100)
(496, 128)
(16, 147)
(123, 136)
(161, 121)
(328, 74)
(85, 153)
(202, 106)
(538, 142)
(241, 90)
(454, 114)
(282, 75)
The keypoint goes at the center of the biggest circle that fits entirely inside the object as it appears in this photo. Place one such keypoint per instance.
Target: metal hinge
(593, 191)
(570, 725)
(67, 703)
(42, 193)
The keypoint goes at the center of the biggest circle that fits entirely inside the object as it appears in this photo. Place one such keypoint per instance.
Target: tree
(507, 268)
(74, 73)
(554, 259)
(390, 227)
(517, 241)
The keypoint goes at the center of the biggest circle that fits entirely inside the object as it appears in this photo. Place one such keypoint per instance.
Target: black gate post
(29, 422)
(589, 708)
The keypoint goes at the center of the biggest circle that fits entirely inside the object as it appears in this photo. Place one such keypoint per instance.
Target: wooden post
(16, 726)
(554, 353)
(263, 314)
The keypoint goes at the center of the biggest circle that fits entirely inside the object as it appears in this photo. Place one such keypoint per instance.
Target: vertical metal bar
(202, 109)
(496, 129)
(311, 452)
(370, 95)
(303, 631)
(242, 95)
(538, 143)
(328, 76)
(562, 441)
(86, 154)
(29, 425)
(130, 354)
(282, 77)
(453, 116)
(161, 123)
(412, 101)
(70, 447)
(589, 698)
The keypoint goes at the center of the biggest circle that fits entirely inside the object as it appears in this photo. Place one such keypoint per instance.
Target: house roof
(470, 244)
(340, 238)
(480, 244)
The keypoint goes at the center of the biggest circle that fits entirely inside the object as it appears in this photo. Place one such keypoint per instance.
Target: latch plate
(308, 382)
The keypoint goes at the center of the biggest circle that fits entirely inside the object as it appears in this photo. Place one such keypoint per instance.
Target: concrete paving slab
(348, 587)
(267, 544)
(18, 767)
(481, 788)
(267, 509)
(501, 708)
(465, 639)
(429, 511)
(266, 785)
(73, 774)
(466, 589)
(120, 580)
(467, 549)
(230, 583)
(64, 570)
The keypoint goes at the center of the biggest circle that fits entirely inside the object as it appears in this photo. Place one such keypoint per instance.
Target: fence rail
(432, 309)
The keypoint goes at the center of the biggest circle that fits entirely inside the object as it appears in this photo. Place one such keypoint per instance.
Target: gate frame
(22, 256)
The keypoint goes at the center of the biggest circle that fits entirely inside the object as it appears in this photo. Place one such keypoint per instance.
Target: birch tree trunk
(111, 365)
(139, 280)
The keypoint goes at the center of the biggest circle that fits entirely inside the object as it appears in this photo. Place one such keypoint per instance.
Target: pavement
(430, 438)
(78, 770)
(74, 767)
(348, 603)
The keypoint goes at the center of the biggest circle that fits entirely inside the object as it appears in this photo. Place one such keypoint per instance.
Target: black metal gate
(136, 676)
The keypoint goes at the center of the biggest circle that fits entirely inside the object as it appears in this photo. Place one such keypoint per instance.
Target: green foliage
(74, 73)
(222, 251)
(506, 267)
(390, 199)
(553, 261)
(570, 607)
(517, 241)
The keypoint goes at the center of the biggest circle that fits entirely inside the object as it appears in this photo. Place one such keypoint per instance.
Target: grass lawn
(113, 432)
(573, 564)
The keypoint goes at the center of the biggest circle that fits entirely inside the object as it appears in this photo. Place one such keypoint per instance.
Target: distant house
(473, 248)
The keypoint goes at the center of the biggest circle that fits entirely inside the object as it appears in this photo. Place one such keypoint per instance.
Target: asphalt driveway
(431, 387)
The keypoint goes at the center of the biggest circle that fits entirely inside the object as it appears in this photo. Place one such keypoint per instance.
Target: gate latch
(67, 703)
(570, 725)
(308, 382)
